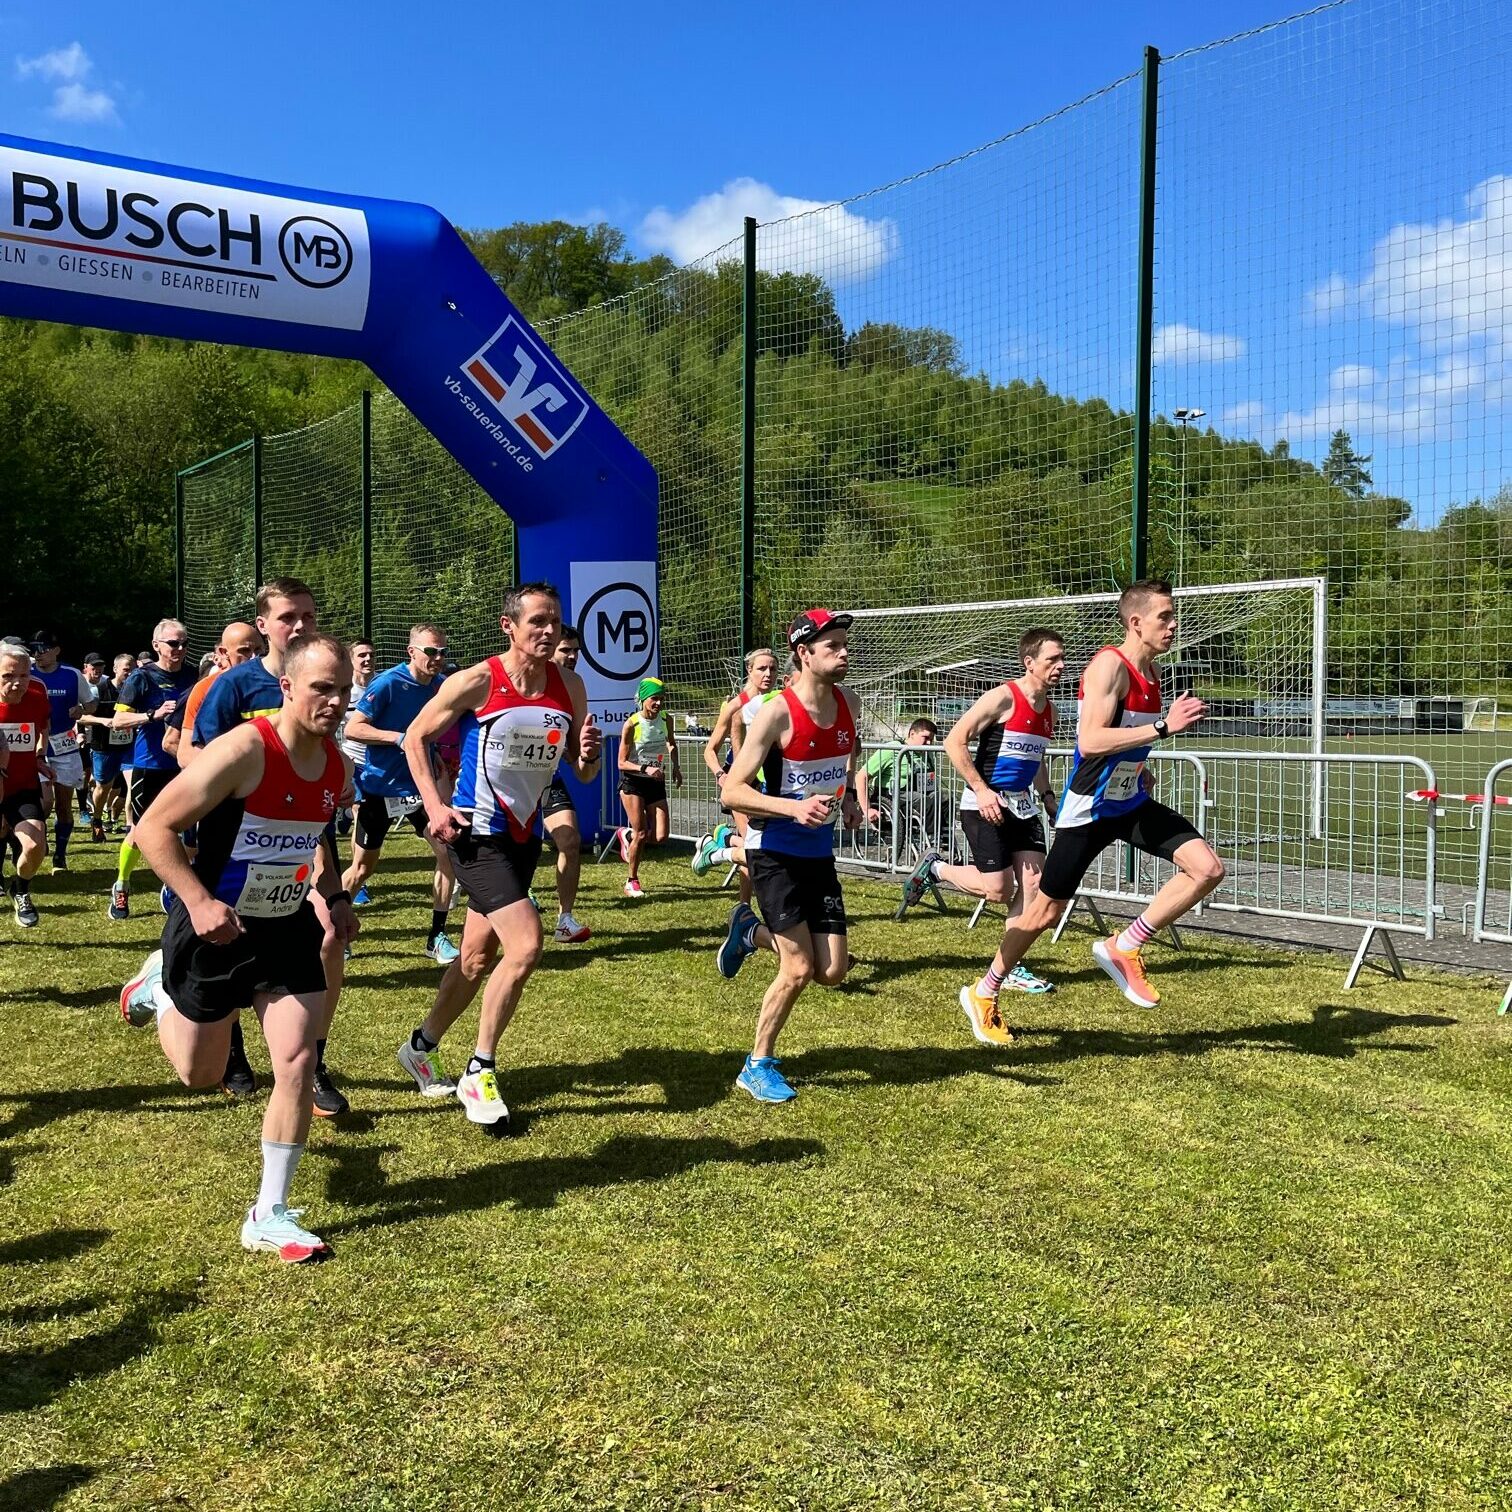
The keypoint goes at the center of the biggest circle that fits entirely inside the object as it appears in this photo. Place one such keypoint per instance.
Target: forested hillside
(887, 472)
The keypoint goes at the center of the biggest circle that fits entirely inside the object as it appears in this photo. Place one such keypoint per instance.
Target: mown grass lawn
(1247, 1251)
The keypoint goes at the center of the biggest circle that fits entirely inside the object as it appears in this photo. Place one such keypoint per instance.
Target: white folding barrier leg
(1175, 935)
(1394, 966)
(609, 844)
(1506, 1001)
(729, 876)
(977, 913)
(1090, 904)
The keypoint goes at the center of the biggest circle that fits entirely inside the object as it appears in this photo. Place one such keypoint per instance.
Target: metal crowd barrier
(1329, 838)
(1493, 922)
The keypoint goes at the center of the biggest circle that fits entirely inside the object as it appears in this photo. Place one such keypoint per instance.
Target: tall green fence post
(178, 545)
(367, 514)
(257, 513)
(748, 335)
(1144, 373)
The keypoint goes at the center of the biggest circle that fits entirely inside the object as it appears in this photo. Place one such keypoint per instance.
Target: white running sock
(161, 1002)
(725, 857)
(280, 1161)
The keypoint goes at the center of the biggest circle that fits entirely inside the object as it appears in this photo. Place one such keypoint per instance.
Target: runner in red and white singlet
(25, 716)
(242, 932)
(1107, 799)
(520, 715)
(804, 743)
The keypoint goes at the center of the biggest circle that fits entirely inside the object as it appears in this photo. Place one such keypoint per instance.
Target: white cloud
(72, 100)
(1246, 416)
(1443, 284)
(62, 63)
(829, 240)
(1180, 343)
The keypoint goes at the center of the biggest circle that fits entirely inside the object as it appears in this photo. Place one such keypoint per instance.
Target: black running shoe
(97, 832)
(238, 1080)
(329, 1103)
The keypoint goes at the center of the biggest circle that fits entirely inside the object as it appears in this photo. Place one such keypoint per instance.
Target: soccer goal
(1255, 652)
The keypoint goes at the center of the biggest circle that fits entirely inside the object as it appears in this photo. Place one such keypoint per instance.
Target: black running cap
(45, 640)
(94, 659)
(812, 623)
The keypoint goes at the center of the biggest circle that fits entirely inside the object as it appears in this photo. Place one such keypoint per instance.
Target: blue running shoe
(739, 942)
(761, 1078)
(165, 899)
(363, 897)
(442, 951)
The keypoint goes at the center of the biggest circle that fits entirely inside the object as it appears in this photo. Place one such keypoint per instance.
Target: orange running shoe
(1126, 967)
(986, 1022)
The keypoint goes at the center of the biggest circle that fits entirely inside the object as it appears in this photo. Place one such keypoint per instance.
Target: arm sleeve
(133, 693)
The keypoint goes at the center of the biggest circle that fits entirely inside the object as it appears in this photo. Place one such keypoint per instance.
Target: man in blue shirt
(285, 610)
(144, 703)
(68, 695)
(385, 788)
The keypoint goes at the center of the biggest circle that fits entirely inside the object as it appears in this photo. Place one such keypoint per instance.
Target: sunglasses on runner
(175, 644)
(432, 650)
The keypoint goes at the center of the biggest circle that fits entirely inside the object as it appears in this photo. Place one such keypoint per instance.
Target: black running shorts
(993, 846)
(146, 784)
(1152, 827)
(18, 807)
(494, 870)
(794, 890)
(211, 982)
(647, 789)
(374, 822)
(557, 800)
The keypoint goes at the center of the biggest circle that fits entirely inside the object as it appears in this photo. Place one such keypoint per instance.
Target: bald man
(239, 642)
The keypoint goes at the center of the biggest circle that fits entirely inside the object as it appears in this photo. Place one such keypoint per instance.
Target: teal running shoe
(761, 1078)
(442, 951)
(139, 995)
(1021, 979)
(280, 1234)
(703, 856)
(739, 941)
(920, 880)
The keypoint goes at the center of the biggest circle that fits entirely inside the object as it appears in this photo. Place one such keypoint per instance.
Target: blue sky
(1325, 258)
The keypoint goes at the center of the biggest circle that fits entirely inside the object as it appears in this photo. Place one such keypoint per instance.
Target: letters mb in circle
(315, 252)
(618, 626)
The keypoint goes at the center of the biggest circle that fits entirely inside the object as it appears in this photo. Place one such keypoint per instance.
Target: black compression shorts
(1152, 827)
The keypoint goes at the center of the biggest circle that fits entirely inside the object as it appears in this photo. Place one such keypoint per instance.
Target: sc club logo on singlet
(528, 388)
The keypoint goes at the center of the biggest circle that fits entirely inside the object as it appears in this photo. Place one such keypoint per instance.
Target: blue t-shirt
(237, 695)
(146, 689)
(391, 702)
(65, 688)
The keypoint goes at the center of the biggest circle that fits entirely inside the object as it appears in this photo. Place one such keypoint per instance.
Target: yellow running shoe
(986, 1022)
(1126, 967)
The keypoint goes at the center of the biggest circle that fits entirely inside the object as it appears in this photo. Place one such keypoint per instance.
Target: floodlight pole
(748, 640)
(1139, 554)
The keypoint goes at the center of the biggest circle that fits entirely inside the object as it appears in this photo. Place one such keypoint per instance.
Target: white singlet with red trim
(511, 746)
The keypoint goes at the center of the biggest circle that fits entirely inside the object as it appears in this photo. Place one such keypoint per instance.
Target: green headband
(649, 688)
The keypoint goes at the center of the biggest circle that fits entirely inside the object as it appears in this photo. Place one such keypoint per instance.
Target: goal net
(1254, 652)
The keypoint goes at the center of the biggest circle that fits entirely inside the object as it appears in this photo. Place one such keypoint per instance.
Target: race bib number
(61, 745)
(273, 892)
(121, 737)
(1019, 804)
(19, 737)
(401, 807)
(1123, 781)
(533, 750)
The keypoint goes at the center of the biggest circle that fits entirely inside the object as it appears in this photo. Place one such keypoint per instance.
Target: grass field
(1248, 1251)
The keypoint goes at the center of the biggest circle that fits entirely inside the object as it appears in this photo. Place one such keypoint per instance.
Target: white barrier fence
(1493, 903)
(1334, 838)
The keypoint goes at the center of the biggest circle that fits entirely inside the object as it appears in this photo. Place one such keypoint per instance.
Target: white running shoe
(569, 932)
(279, 1233)
(430, 1076)
(139, 995)
(633, 889)
(478, 1092)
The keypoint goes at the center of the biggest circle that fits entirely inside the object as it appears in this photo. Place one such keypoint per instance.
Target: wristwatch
(1162, 729)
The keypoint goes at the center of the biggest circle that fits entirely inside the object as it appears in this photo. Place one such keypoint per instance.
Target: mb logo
(618, 626)
(527, 387)
(316, 253)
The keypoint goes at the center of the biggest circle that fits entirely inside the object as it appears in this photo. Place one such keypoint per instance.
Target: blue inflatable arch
(96, 240)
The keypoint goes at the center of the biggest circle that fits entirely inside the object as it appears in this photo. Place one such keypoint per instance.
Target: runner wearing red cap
(803, 742)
